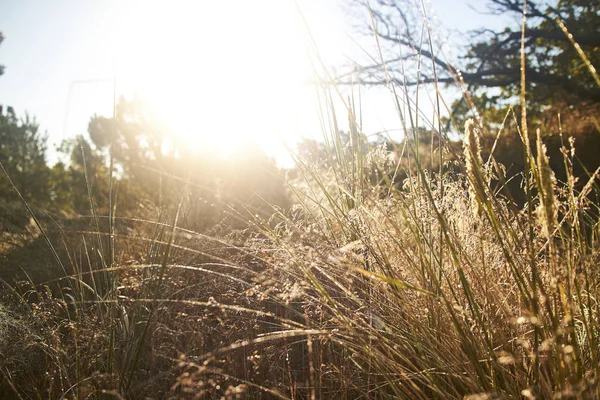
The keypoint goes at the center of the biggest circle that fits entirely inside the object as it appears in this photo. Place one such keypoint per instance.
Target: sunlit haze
(218, 74)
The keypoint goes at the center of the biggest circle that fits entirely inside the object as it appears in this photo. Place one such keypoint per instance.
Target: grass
(437, 287)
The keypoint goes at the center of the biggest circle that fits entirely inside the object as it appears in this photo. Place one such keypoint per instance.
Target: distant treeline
(147, 175)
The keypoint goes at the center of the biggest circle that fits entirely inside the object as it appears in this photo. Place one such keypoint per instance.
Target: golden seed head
(547, 208)
(474, 164)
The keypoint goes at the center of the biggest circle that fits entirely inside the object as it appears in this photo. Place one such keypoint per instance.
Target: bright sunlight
(219, 75)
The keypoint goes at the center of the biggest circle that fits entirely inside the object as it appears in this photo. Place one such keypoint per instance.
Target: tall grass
(431, 293)
(433, 287)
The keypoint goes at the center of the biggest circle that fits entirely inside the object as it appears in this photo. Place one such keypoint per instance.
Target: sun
(220, 73)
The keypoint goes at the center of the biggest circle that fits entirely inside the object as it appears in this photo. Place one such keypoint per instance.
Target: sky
(226, 72)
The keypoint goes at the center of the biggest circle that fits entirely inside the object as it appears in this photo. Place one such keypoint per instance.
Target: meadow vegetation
(428, 268)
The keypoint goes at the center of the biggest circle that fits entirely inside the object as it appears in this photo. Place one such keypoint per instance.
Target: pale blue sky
(60, 58)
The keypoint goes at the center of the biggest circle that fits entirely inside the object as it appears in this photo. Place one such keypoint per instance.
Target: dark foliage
(558, 79)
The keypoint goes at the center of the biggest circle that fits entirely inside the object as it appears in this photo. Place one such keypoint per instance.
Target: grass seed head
(546, 210)
(474, 164)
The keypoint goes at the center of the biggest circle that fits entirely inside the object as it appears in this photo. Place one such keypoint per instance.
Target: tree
(135, 138)
(22, 154)
(23, 157)
(84, 173)
(557, 76)
(162, 168)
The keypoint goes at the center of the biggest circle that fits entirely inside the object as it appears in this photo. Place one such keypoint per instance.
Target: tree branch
(555, 34)
(501, 78)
